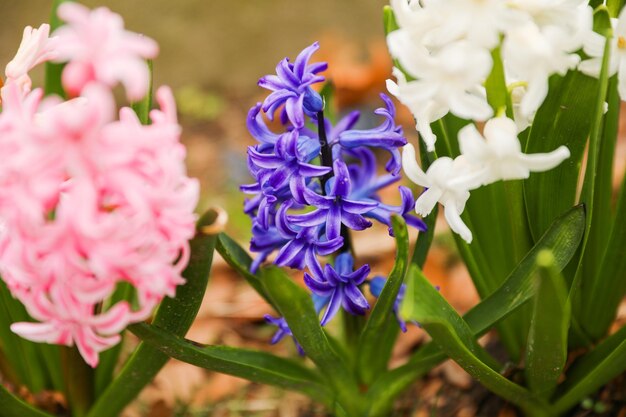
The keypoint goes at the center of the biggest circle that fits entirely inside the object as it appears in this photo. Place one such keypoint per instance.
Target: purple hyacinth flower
(376, 288)
(383, 212)
(303, 244)
(340, 284)
(283, 330)
(264, 241)
(287, 162)
(387, 136)
(291, 86)
(335, 208)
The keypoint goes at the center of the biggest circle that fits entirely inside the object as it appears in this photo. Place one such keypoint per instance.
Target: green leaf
(53, 83)
(328, 94)
(389, 20)
(611, 285)
(497, 91)
(563, 238)
(240, 261)
(422, 306)
(174, 315)
(592, 371)
(615, 6)
(260, 367)
(546, 351)
(454, 336)
(10, 406)
(563, 119)
(374, 348)
(597, 289)
(24, 356)
(295, 304)
(142, 107)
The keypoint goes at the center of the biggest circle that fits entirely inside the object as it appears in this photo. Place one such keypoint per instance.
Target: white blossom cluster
(444, 50)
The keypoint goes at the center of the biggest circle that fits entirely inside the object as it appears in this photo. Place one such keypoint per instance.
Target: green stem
(78, 378)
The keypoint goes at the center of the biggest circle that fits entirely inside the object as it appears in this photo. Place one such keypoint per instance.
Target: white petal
(544, 161)
(411, 167)
(471, 142)
(468, 106)
(591, 67)
(535, 94)
(427, 201)
(453, 217)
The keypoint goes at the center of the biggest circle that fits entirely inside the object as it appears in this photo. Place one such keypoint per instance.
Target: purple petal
(341, 186)
(335, 302)
(354, 302)
(309, 219)
(355, 221)
(299, 66)
(333, 222)
(295, 111)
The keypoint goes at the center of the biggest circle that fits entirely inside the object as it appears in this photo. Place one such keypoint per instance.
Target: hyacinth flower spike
(341, 285)
(291, 86)
(335, 208)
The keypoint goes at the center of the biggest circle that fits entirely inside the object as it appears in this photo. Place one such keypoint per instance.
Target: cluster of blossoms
(445, 51)
(87, 200)
(314, 181)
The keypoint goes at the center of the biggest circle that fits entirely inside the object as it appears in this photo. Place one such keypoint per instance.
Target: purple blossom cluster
(315, 181)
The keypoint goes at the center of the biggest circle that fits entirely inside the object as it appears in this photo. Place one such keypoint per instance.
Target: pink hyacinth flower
(36, 47)
(88, 201)
(98, 48)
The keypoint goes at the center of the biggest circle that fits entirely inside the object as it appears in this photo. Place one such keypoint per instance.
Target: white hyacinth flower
(448, 182)
(449, 80)
(533, 55)
(480, 22)
(498, 155)
(594, 47)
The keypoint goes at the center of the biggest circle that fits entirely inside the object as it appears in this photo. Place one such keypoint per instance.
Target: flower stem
(327, 161)
(79, 381)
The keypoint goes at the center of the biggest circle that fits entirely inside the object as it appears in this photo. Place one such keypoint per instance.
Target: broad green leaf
(600, 292)
(615, 6)
(454, 336)
(26, 358)
(424, 304)
(563, 119)
(11, 406)
(379, 335)
(260, 367)
(174, 315)
(240, 261)
(562, 239)
(546, 351)
(592, 371)
(588, 194)
(53, 71)
(611, 285)
(142, 107)
(296, 306)
(389, 20)
(497, 91)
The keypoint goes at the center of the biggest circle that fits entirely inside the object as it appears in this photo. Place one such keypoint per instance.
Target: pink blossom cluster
(89, 200)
